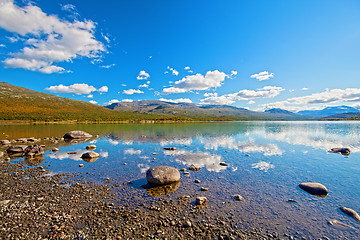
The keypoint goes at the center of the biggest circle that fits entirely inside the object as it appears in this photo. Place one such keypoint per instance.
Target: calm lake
(266, 162)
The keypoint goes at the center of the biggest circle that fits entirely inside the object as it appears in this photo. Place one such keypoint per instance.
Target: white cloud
(131, 151)
(263, 166)
(251, 102)
(90, 96)
(265, 75)
(143, 75)
(132, 91)
(127, 100)
(103, 89)
(180, 100)
(77, 88)
(291, 90)
(108, 66)
(71, 9)
(265, 92)
(123, 85)
(318, 99)
(173, 71)
(210, 94)
(187, 68)
(233, 73)
(49, 39)
(144, 85)
(197, 82)
(93, 102)
(304, 89)
(111, 102)
(2, 45)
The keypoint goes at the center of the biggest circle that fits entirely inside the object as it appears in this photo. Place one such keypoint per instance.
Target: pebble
(187, 224)
(81, 165)
(197, 181)
(203, 189)
(238, 197)
(223, 164)
(200, 200)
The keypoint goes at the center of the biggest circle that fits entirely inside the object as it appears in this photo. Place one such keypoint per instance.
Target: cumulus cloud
(127, 100)
(187, 68)
(111, 102)
(180, 100)
(265, 75)
(143, 75)
(212, 79)
(132, 91)
(265, 92)
(326, 97)
(93, 102)
(304, 89)
(144, 85)
(77, 88)
(49, 40)
(210, 94)
(233, 74)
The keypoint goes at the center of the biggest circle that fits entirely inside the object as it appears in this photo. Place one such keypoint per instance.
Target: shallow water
(266, 162)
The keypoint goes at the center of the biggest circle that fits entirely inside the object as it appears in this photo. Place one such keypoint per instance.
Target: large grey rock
(77, 134)
(316, 189)
(90, 155)
(33, 150)
(16, 149)
(162, 175)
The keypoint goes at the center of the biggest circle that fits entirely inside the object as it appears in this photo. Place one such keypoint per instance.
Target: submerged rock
(238, 197)
(194, 168)
(223, 164)
(55, 150)
(170, 148)
(343, 151)
(91, 147)
(77, 134)
(200, 200)
(340, 225)
(316, 189)
(352, 213)
(162, 175)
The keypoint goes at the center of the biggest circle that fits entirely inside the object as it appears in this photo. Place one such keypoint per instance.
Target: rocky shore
(36, 204)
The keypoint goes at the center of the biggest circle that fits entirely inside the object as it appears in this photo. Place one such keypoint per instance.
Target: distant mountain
(197, 111)
(18, 103)
(342, 116)
(285, 114)
(329, 111)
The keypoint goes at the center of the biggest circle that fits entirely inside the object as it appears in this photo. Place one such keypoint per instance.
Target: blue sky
(294, 55)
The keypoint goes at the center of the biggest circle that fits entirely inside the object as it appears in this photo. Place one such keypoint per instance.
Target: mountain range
(18, 103)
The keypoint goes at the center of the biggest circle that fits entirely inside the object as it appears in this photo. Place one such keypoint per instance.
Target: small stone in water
(203, 189)
(238, 197)
(197, 181)
(81, 165)
(223, 164)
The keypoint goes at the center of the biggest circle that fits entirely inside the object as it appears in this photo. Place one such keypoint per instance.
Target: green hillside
(18, 103)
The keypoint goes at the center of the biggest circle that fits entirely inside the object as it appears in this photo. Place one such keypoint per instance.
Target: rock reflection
(34, 161)
(162, 190)
(61, 155)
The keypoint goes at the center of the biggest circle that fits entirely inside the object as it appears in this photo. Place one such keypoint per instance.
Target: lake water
(266, 162)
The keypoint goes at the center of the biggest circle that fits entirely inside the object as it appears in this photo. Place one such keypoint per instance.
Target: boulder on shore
(200, 200)
(77, 134)
(316, 189)
(33, 150)
(16, 149)
(162, 175)
(5, 142)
